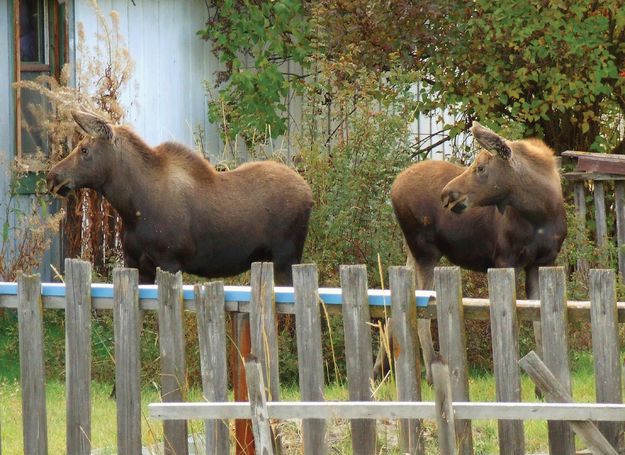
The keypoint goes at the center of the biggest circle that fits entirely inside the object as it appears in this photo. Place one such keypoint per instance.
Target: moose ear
(491, 141)
(93, 125)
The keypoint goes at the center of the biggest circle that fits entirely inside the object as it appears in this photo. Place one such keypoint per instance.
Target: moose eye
(84, 151)
(481, 168)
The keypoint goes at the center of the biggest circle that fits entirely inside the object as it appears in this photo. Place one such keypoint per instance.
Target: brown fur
(517, 219)
(181, 214)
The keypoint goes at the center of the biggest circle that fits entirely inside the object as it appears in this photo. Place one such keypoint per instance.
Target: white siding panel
(165, 99)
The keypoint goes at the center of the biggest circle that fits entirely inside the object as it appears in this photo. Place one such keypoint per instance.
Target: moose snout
(449, 197)
(56, 184)
(454, 201)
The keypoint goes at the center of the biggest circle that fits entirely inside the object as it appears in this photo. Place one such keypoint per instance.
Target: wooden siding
(166, 96)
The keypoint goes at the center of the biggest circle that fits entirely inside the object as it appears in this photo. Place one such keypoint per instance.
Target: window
(39, 50)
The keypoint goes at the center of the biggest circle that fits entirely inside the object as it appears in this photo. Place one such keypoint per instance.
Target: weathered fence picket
(605, 346)
(211, 326)
(444, 409)
(78, 357)
(557, 393)
(554, 322)
(171, 342)
(407, 363)
(505, 334)
(453, 344)
(309, 352)
(127, 334)
(451, 407)
(32, 368)
(358, 352)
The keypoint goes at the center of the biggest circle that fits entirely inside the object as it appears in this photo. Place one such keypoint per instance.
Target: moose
(179, 213)
(505, 210)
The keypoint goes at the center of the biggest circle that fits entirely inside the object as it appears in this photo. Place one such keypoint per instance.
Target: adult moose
(179, 213)
(505, 210)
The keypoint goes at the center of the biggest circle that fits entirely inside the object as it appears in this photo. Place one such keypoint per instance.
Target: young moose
(505, 210)
(179, 213)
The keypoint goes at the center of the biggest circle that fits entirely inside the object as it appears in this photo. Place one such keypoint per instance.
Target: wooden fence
(261, 302)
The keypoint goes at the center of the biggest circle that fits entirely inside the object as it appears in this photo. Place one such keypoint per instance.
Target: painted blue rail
(330, 296)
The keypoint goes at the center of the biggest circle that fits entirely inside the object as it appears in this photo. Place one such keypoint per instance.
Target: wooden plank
(453, 343)
(78, 356)
(241, 347)
(598, 162)
(406, 353)
(619, 204)
(505, 334)
(258, 407)
(444, 409)
(556, 392)
(392, 410)
(582, 176)
(32, 369)
(171, 342)
(605, 346)
(358, 353)
(263, 328)
(264, 331)
(127, 335)
(309, 352)
(601, 227)
(579, 197)
(211, 326)
(552, 284)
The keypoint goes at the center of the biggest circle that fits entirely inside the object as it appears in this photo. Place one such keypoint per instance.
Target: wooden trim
(390, 410)
(17, 77)
(34, 67)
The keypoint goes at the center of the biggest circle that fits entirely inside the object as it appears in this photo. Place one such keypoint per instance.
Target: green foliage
(253, 39)
(551, 66)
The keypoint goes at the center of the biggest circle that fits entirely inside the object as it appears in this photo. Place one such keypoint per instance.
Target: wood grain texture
(171, 342)
(605, 347)
(406, 353)
(601, 225)
(211, 325)
(453, 343)
(444, 409)
(552, 284)
(32, 369)
(78, 356)
(358, 352)
(505, 334)
(127, 334)
(309, 352)
(557, 393)
(258, 407)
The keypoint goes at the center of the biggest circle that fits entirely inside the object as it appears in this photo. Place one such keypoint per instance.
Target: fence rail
(254, 334)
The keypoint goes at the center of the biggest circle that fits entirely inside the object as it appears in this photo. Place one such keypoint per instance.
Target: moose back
(179, 213)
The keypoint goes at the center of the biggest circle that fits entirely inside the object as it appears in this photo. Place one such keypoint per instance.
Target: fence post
(244, 436)
(127, 334)
(579, 197)
(211, 327)
(557, 393)
(505, 335)
(453, 343)
(406, 347)
(171, 341)
(619, 203)
(600, 218)
(309, 352)
(358, 352)
(444, 407)
(32, 368)
(258, 405)
(263, 330)
(78, 356)
(605, 347)
(554, 320)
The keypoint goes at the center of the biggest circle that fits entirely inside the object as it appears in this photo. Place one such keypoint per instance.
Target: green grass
(482, 388)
